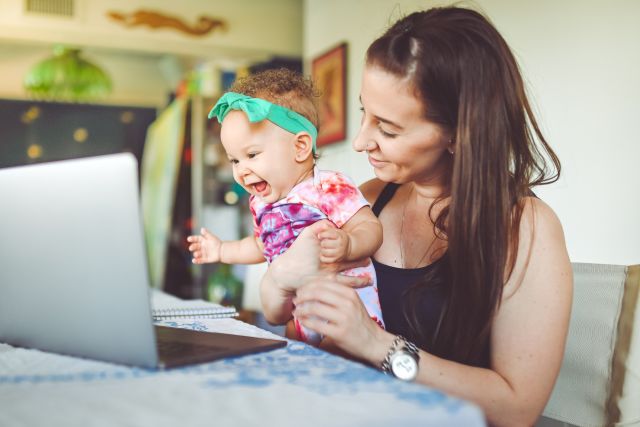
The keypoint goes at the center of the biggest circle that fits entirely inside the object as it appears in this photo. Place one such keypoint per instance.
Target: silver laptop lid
(73, 270)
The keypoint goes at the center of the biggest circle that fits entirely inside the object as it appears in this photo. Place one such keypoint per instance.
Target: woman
(473, 268)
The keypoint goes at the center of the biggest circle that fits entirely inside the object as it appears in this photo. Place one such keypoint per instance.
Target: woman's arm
(528, 337)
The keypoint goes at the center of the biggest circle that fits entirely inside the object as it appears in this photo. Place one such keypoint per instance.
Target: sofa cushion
(599, 379)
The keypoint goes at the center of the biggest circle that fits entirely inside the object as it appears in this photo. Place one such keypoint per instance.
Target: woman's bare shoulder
(541, 246)
(539, 221)
(372, 189)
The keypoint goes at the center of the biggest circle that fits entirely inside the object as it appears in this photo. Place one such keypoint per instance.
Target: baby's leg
(290, 330)
(303, 334)
(369, 294)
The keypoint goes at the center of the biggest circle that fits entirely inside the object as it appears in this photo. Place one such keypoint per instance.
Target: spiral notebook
(194, 313)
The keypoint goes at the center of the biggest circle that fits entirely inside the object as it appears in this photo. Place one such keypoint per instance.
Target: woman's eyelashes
(384, 133)
(378, 125)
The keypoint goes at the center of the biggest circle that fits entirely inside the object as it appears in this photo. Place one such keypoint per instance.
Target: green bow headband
(258, 109)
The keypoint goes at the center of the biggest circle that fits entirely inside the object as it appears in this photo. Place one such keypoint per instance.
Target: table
(298, 385)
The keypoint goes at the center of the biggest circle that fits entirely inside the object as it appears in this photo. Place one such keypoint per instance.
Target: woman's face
(402, 145)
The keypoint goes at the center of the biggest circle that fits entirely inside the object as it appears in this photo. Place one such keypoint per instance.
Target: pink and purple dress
(328, 195)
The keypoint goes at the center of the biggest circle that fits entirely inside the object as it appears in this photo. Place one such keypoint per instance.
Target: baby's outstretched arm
(358, 238)
(207, 247)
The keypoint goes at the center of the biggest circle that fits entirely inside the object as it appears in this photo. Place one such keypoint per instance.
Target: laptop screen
(73, 270)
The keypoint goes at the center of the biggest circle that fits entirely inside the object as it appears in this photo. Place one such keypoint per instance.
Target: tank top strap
(383, 198)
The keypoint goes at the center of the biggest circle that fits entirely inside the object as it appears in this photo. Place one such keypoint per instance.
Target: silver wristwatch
(402, 359)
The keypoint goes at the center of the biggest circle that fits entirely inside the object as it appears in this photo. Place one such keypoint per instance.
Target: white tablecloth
(294, 386)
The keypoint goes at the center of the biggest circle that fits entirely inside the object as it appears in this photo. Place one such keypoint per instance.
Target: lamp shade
(67, 76)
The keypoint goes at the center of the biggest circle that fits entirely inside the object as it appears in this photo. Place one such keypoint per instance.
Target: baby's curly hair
(283, 87)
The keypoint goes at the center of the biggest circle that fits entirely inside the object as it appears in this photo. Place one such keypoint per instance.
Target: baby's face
(262, 155)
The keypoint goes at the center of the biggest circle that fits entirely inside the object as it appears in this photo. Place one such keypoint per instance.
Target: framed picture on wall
(329, 73)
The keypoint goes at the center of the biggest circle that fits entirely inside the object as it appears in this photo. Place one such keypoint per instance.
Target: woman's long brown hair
(470, 84)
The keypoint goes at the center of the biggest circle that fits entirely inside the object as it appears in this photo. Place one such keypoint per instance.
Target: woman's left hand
(328, 305)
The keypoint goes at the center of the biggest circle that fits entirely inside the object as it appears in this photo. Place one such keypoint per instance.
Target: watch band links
(408, 346)
(386, 363)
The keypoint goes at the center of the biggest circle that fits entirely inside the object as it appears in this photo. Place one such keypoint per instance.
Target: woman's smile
(376, 163)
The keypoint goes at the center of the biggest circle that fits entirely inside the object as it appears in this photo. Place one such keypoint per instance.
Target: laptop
(73, 269)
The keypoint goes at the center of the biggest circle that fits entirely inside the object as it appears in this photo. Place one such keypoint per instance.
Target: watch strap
(386, 363)
(407, 346)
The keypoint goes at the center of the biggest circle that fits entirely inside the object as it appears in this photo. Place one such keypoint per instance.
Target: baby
(269, 129)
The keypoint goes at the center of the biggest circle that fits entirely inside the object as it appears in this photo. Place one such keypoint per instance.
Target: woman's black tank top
(394, 286)
(394, 283)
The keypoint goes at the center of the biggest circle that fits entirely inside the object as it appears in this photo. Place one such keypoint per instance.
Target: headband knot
(258, 109)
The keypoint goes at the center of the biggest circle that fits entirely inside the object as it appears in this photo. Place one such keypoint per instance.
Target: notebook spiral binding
(194, 313)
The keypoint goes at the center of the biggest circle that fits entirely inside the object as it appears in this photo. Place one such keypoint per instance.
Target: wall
(580, 60)
(254, 26)
(146, 64)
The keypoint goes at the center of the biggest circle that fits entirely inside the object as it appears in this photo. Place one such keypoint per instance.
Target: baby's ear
(303, 145)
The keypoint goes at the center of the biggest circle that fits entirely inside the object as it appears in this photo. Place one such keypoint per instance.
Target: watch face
(404, 366)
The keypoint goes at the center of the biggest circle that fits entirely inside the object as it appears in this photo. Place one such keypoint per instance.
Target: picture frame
(329, 73)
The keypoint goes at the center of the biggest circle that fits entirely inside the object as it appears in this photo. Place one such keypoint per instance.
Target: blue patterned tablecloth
(294, 386)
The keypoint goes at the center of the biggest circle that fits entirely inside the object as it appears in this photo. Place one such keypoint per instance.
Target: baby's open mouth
(260, 186)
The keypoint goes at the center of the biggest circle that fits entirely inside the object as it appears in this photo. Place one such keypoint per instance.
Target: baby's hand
(335, 245)
(205, 247)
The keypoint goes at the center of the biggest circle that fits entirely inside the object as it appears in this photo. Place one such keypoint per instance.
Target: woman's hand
(330, 305)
